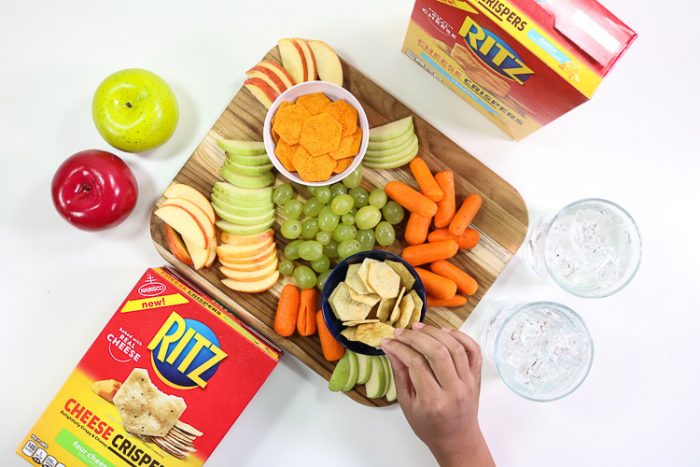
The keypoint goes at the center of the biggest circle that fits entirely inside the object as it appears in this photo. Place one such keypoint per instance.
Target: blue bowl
(335, 326)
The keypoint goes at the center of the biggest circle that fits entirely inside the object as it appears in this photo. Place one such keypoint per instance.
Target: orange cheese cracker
(314, 169)
(345, 114)
(289, 121)
(314, 103)
(349, 146)
(342, 164)
(320, 134)
(284, 152)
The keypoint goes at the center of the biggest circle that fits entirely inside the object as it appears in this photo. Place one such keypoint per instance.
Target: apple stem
(85, 188)
(128, 104)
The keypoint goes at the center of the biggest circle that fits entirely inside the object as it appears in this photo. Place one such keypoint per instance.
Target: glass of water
(542, 351)
(591, 248)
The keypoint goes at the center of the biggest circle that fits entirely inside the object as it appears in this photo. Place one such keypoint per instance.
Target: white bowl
(334, 93)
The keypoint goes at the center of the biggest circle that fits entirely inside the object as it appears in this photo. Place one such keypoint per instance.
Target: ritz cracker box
(160, 386)
(521, 63)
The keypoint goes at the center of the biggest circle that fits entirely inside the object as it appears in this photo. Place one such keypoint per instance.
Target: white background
(635, 143)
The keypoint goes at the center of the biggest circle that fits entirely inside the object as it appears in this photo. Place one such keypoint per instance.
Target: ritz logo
(494, 52)
(185, 353)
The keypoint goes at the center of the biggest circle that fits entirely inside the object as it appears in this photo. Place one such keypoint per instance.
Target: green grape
(344, 232)
(354, 179)
(324, 238)
(323, 194)
(291, 229)
(377, 198)
(348, 219)
(304, 277)
(353, 211)
(312, 190)
(360, 196)
(342, 204)
(393, 212)
(309, 228)
(322, 278)
(338, 189)
(327, 221)
(385, 233)
(291, 251)
(348, 248)
(282, 193)
(310, 250)
(367, 217)
(312, 207)
(366, 239)
(286, 267)
(322, 264)
(331, 250)
(292, 209)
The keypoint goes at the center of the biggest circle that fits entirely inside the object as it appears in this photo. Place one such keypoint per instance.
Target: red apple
(94, 190)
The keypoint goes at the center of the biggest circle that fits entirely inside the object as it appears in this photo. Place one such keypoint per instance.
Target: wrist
(470, 450)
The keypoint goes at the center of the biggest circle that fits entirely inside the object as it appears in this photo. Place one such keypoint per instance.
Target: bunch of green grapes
(337, 222)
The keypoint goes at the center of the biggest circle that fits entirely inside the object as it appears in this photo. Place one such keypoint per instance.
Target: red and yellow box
(521, 63)
(172, 365)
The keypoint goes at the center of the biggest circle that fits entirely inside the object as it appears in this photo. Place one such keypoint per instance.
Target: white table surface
(634, 143)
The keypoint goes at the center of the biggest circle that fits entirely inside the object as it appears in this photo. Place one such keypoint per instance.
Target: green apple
(352, 375)
(247, 169)
(377, 383)
(245, 210)
(340, 374)
(394, 161)
(364, 368)
(391, 143)
(235, 229)
(134, 110)
(249, 160)
(247, 181)
(235, 194)
(243, 220)
(388, 153)
(242, 148)
(391, 392)
(390, 130)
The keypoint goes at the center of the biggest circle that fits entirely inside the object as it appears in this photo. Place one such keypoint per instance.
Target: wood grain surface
(502, 220)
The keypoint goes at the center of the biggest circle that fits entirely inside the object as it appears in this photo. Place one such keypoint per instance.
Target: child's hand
(438, 377)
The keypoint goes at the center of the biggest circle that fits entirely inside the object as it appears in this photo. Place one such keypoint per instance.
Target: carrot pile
(436, 204)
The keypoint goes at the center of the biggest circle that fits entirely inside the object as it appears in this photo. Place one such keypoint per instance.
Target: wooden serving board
(502, 220)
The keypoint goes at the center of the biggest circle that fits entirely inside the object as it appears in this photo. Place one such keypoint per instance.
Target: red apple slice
(293, 60)
(327, 62)
(262, 91)
(246, 239)
(180, 190)
(253, 287)
(212, 252)
(184, 223)
(197, 213)
(198, 254)
(268, 76)
(229, 252)
(265, 255)
(309, 60)
(243, 267)
(250, 276)
(278, 70)
(177, 245)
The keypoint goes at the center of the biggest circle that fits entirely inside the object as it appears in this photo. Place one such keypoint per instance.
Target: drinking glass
(542, 350)
(591, 248)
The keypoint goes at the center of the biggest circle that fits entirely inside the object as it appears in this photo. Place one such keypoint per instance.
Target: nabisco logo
(151, 288)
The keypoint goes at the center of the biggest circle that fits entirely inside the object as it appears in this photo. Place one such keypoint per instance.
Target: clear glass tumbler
(542, 350)
(591, 248)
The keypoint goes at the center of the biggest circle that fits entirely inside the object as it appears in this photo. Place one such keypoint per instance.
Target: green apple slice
(248, 181)
(392, 152)
(235, 194)
(256, 209)
(376, 384)
(396, 161)
(340, 374)
(392, 143)
(235, 229)
(352, 376)
(253, 170)
(391, 391)
(243, 148)
(243, 220)
(390, 130)
(387, 374)
(249, 160)
(364, 368)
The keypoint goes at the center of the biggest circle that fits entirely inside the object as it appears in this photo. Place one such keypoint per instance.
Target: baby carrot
(457, 300)
(306, 319)
(465, 215)
(417, 229)
(416, 255)
(331, 348)
(446, 206)
(410, 199)
(437, 286)
(465, 283)
(425, 179)
(466, 241)
(287, 311)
